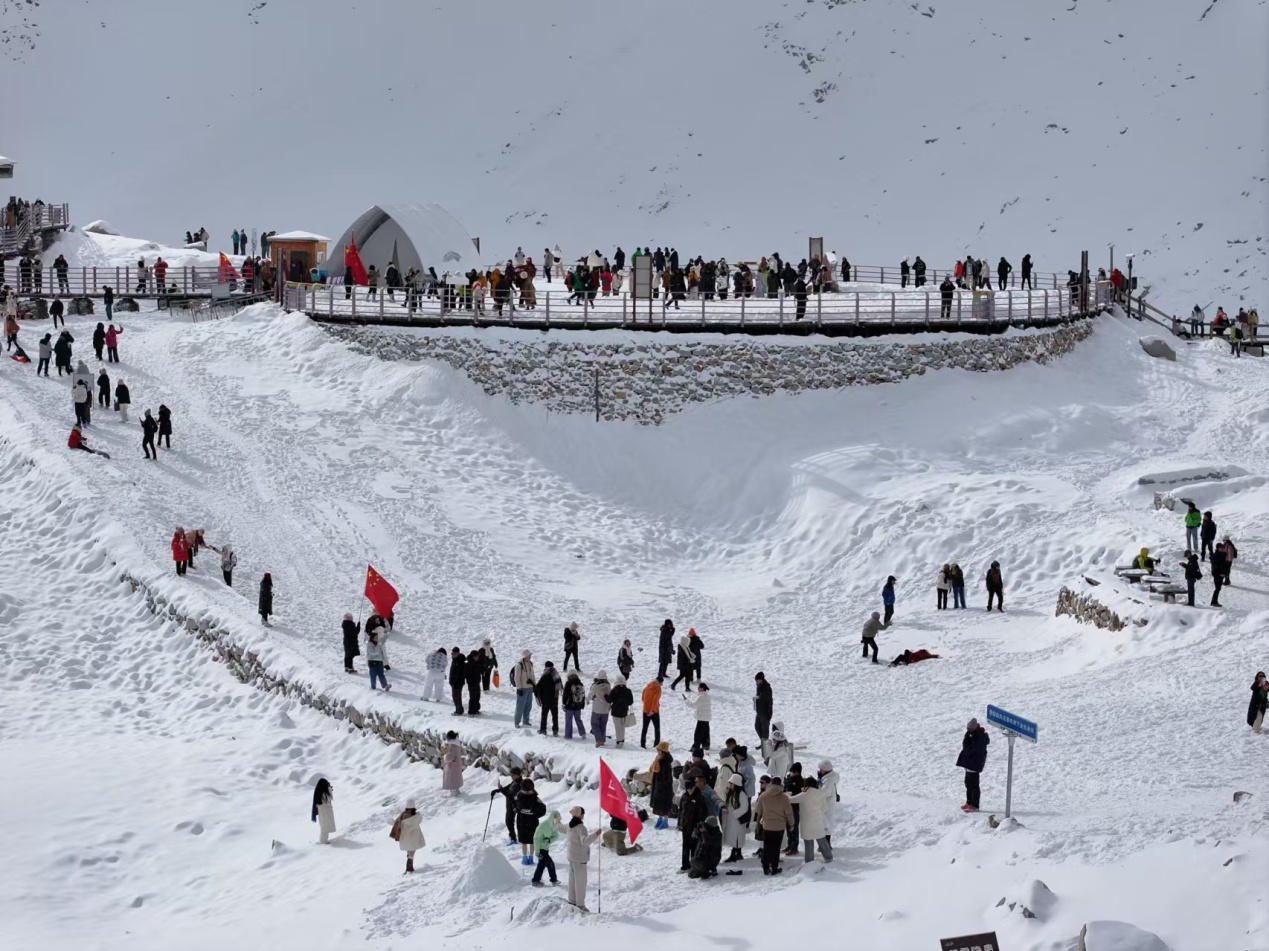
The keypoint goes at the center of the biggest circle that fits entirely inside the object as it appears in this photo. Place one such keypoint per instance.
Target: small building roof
(298, 236)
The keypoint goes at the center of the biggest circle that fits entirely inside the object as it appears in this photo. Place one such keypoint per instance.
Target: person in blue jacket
(887, 600)
(972, 759)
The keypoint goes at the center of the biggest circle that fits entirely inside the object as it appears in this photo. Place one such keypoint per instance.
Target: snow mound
(1193, 474)
(1158, 348)
(100, 226)
(486, 870)
(1031, 899)
(79, 249)
(1118, 936)
(545, 909)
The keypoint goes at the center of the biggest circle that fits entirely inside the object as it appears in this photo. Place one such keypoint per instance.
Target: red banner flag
(227, 273)
(614, 801)
(381, 594)
(352, 259)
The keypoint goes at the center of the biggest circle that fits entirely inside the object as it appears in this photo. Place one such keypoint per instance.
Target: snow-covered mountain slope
(768, 525)
(888, 127)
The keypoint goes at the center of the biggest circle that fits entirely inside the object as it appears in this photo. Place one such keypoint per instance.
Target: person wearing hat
(662, 783)
(579, 843)
(887, 600)
(408, 831)
(352, 642)
(995, 587)
(546, 835)
(774, 814)
(972, 759)
(434, 677)
(547, 690)
(781, 757)
(651, 712)
(685, 661)
(872, 627)
(762, 705)
(574, 702)
(620, 699)
(524, 680)
(510, 791)
(488, 663)
(736, 815)
(600, 707)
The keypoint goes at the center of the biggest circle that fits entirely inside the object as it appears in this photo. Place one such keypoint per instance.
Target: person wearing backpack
(1193, 575)
(523, 680)
(529, 809)
(548, 689)
(621, 700)
(574, 702)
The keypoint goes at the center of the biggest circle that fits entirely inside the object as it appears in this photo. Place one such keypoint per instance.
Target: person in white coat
(828, 786)
(409, 829)
(434, 678)
(943, 584)
(452, 774)
(579, 843)
(228, 562)
(814, 820)
(736, 814)
(324, 809)
(726, 770)
(781, 752)
(600, 707)
(702, 708)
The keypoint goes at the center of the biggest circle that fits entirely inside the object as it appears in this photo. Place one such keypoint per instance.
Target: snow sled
(20, 356)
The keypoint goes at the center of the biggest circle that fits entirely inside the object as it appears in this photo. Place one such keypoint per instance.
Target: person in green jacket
(1193, 519)
(543, 839)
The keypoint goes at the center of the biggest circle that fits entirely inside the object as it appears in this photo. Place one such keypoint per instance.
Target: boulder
(128, 304)
(1157, 348)
(1118, 936)
(82, 306)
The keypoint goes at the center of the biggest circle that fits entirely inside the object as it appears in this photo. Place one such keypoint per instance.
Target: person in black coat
(904, 270)
(665, 648)
(1259, 703)
(1003, 270)
(799, 296)
(845, 270)
(264, 603)
(349, 281)
(165, 425)
(457, 678)
(1220, 567)
(619, 259)
(1207, 535)
(685, 662)
(1027, 281)
(63, 351)
(511, 791)
(352, 643)
(529, 808)
(918, 271)
(571, 639)
(946, 290)
(708, 850)
(148, 428)
(762, 705)
(1193, 574)
(475, 667)
(99, 340)
(691, 811)
(547, 690)
(972, 759)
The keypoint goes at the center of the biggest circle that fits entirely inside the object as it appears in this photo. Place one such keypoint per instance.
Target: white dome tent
(420, 235)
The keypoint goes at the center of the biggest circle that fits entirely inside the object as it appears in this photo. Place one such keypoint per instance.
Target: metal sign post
(1014, 726)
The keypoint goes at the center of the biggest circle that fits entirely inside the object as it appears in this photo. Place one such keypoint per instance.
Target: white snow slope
(888, 127)
(149, 797)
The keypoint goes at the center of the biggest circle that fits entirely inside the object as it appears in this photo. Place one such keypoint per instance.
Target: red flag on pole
(614, 801)
(352, 259)
(227, 272)
(380, 593)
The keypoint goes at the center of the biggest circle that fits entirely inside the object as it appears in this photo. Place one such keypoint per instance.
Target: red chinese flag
(227, 272)
(352, 259)
(380, 593)
(614, 801)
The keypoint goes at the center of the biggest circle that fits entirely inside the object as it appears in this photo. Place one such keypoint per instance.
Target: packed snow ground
(1041, 128)
(158, 797)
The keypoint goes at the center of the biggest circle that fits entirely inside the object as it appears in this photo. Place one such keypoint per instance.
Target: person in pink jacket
(112, 343)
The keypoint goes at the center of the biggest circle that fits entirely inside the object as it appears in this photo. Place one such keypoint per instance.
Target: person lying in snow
(912, 657)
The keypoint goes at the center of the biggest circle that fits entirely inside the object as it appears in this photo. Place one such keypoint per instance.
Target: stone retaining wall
(421, 746)
(646, 382)
(1088, 610)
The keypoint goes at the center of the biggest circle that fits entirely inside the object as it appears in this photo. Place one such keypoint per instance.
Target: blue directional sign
(1014, 724)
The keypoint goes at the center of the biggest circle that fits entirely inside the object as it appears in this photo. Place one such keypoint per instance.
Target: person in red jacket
(160, 275)
(180, 552)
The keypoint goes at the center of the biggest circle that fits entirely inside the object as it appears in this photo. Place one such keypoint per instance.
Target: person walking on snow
(475, 665)
(180, 553)
(103, 388)
(972, 759)
(600, 707)
(1259, 703)
(547, 834)
(265, 601)
(352, 643)
(1193, 522)
(887, 600)
(112, 343)
(148, 428)
(686, 663)
(1207, 532)
(452, 771)
(1219, 570)
(580, 841)
(408, 831)
(995, 587)
(523, 680)
(651, 698)
(228, 562)
(323, 809)
(762, 706)
(701, 707)
(510, 792)
(547, 691)
(625, 659)
(571, 637)
(665, 649)
(872, 627)
(165, 425)
(123, 399)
